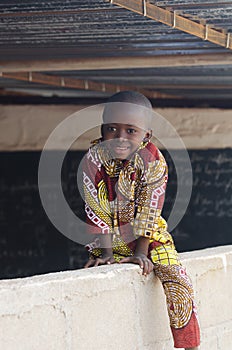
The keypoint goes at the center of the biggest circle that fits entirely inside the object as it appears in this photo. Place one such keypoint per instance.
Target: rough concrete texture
(28, 127)
(113, 307)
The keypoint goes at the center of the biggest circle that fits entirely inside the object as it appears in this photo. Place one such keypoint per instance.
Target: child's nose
(122, 135)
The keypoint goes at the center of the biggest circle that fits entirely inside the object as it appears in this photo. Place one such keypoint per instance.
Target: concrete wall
(28, 127)
(113, 307)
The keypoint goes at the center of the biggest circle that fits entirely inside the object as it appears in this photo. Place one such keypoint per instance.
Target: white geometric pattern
(93, 245)
(92, 156)
(156, 195)
(96, 220)
(90, 186)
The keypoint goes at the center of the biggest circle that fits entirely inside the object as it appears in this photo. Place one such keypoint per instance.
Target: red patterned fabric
(125, 199)
(188, 336)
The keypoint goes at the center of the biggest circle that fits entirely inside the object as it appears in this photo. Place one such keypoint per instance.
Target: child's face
(125, 138)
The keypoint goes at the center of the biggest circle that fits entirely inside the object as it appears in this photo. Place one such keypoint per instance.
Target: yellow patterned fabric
(179, 293)
(165, 254)
(120, 250)
(126, 192)
(124, 200)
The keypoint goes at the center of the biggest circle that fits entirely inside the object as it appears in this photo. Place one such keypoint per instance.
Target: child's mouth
(121, 149)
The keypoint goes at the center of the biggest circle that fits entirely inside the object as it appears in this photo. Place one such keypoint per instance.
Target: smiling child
(125, 177)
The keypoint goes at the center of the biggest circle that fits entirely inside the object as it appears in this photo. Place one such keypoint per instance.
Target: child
(125, 178)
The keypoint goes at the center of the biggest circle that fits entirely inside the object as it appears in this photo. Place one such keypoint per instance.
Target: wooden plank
(132, 5)
(174, 20)
(193, 5)
(193, 87)
(116, 62)
(83, 84)
(159, 82)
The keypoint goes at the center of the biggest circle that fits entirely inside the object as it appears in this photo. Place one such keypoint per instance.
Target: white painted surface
(113, 307)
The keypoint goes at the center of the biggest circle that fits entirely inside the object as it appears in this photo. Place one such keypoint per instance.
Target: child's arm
(140, 257)
(98, 216)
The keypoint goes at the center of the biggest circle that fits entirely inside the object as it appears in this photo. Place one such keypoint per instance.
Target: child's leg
(179, 296)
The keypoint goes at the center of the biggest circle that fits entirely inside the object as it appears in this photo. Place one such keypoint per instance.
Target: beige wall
(28, 127)
(113, 307)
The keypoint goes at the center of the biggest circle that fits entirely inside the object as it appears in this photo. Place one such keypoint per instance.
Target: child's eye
(111, 129)
(131, 131)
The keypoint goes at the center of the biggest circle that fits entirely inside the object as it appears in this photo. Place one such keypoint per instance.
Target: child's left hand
(141, 260)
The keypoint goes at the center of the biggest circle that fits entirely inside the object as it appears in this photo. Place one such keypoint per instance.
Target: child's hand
(141, 260)
(100, 261)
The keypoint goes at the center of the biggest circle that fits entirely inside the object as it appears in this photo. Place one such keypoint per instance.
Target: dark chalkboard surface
(29, 244)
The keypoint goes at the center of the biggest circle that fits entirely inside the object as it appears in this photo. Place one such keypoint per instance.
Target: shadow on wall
(30, 244)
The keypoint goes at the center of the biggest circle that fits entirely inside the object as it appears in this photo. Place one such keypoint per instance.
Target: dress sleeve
(97, 208)
(150, 200)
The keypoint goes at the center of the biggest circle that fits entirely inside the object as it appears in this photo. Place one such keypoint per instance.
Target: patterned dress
(124, 199)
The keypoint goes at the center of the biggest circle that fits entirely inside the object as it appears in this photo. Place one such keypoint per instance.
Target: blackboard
(30, 244)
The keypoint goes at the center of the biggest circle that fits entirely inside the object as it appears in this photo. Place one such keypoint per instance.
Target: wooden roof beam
(82, 84)
(95, 63)
(177, 21)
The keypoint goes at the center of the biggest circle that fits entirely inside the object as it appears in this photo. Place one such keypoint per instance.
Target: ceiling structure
(177, 50)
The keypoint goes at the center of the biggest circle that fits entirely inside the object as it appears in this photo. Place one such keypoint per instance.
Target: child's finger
(148, 267)
(139, 261)
(89, 263)
(97, 262)
(145, 268)
(151, 267)
(125, 260)
(111, 261)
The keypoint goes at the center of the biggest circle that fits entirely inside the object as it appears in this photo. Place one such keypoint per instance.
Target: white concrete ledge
(113, 307)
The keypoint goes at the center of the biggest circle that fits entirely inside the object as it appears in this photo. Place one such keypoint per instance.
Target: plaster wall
(113, 307)
(27, 127)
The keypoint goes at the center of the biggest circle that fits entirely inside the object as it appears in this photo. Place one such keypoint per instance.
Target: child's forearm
(106, 245)
(142, 246)
(140, 257)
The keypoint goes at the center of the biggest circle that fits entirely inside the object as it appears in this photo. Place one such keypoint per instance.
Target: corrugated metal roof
(39, 30)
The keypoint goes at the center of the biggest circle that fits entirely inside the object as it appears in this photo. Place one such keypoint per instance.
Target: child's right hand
(100, 261)
(141, 260)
